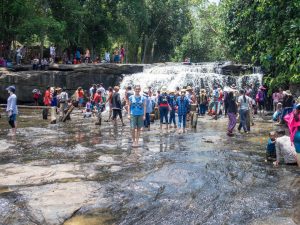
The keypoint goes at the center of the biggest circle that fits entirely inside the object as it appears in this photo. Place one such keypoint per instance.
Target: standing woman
(163, 104)
(230, 105)
(293, 121)
(243, 103)
(12, 109)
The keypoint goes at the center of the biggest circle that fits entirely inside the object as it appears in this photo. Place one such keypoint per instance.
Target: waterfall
(199, 75)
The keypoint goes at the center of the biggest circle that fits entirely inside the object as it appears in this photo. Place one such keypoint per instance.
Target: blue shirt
(149, 107)
(172, 101)
(137, 105)
(271, 147)
(183, 105)
(12, 104)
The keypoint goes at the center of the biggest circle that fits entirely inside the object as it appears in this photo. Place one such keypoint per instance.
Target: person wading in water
(136, 114)
(12, 109)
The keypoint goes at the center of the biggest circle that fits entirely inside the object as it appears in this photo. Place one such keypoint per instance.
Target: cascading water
(177, 75)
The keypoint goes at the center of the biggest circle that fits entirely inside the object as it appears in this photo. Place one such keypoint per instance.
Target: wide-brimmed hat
(164, 89)
(171, 92)
(203, 90)
(189, 88)
(11, 88)
(288, 92)
(183, 90)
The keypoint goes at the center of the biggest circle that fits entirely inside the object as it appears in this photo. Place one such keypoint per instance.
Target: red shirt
(47, 98)
(97, 98)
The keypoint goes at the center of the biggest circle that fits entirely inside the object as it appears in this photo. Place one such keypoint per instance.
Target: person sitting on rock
(285, 149)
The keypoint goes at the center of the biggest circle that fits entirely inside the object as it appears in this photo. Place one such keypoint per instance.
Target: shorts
(136, 121)
(13, 117)
(81, 101)
(117, 112)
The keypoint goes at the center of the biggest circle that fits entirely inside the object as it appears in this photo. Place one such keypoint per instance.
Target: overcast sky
(216, 1)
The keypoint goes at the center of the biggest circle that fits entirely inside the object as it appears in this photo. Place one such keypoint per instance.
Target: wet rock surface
(79, 173)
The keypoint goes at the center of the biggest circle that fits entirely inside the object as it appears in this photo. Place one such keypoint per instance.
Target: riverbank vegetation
(259, 32)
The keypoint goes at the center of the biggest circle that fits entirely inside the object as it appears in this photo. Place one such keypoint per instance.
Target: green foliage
(265, 32)
(204, 41)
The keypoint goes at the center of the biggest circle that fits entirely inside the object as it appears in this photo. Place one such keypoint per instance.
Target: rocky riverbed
(78, 173)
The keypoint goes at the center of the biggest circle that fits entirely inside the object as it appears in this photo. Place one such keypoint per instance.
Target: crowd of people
(77, 57)
(144, 106)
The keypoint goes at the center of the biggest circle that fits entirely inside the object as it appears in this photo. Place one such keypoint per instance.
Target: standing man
(216, 95)
(183, 107)
(136, 114)
(12, 109)
(116, 105)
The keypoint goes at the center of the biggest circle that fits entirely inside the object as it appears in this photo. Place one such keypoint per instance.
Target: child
(277, 113)
(271, 149)
(88, 110)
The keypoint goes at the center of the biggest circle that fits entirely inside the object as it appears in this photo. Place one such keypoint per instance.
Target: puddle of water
(90, 220)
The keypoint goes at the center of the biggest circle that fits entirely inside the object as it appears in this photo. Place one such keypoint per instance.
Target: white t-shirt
(244, 105)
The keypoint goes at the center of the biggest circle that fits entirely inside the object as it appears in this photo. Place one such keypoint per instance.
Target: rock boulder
(69, 76)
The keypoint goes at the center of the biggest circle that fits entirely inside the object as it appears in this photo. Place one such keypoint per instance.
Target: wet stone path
(80, 174)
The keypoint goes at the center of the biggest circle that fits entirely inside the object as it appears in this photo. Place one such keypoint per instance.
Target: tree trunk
(145, 48)
(42, 49)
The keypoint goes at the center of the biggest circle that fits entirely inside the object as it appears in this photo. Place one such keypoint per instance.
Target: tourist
(98, 98)
(36, 96)
(122, 54)
(215, 102)
(293, 122)
(116, 56)
(79, 95)
(87, 56)
(128, 93)
(19, 55)
(44, 64)
(103, 91)
(87, 113)
(288, 103)
(52, 52)
(183, 105)
(12, 109)
(163, 105)
(54, 97)
(107, 57)
(35, 63)
(231, 107)
(243, 103)
(92, 91)
(109, 100)
(275, 97)
(172, 109)
(149, 109)
(277, 114)
(202, 102)
(116, 105)
(47, 97)
(260, 99)
(271, 149)
(77, 57)
(136, 114)
(285, 150)
(63, 102)
(280, 95)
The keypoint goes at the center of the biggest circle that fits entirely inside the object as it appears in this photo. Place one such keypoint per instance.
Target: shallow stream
(80, 174)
